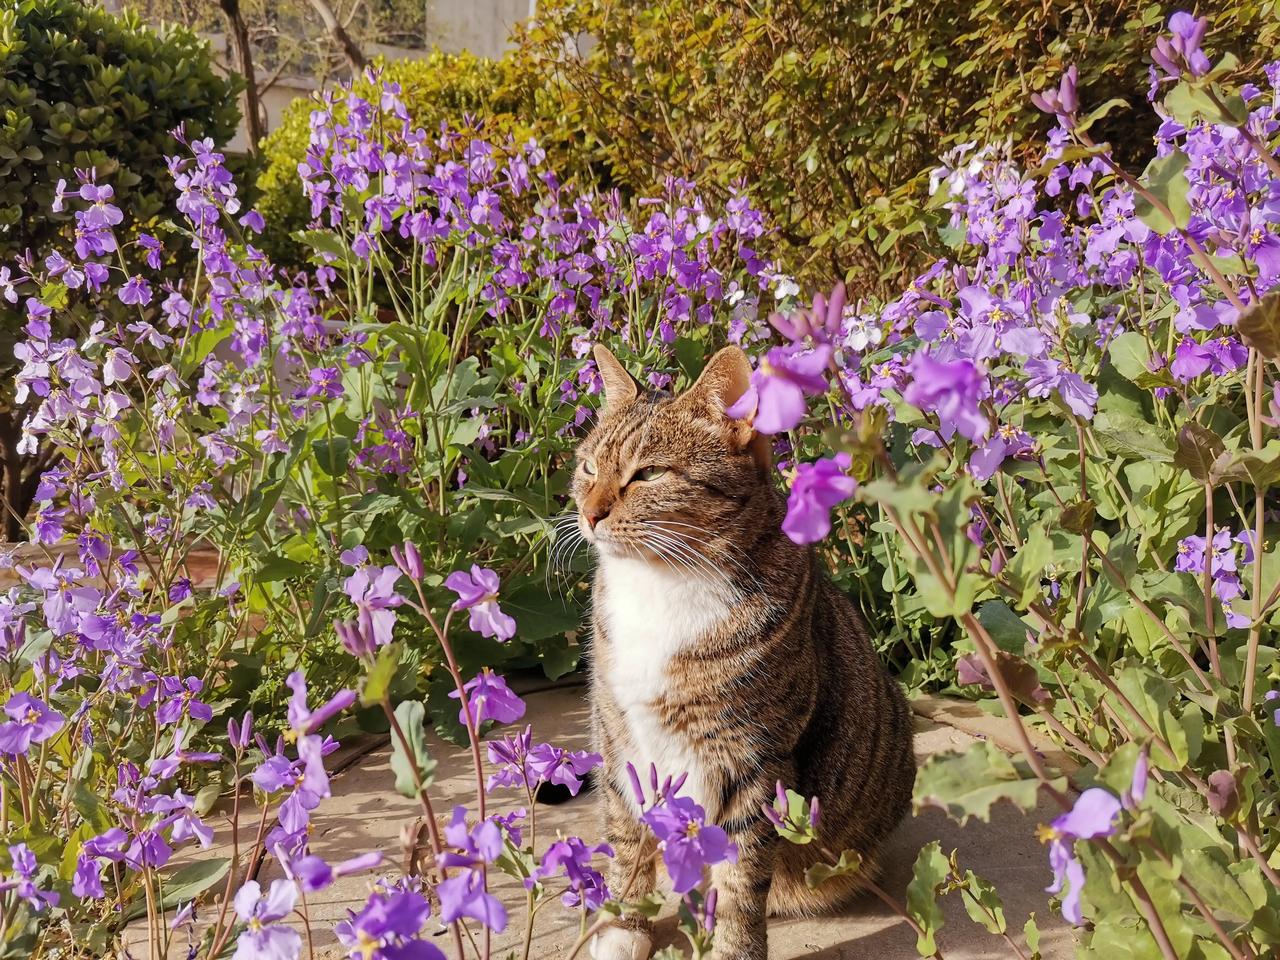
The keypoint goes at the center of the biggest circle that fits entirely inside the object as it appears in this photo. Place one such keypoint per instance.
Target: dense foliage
(81, 88)
(1058, 443)
(831, 114)
(1065, 437)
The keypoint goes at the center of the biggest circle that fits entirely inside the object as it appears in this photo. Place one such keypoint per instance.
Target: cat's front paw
(620, 943)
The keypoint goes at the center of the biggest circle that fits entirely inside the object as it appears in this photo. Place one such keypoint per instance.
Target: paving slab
(365, 813)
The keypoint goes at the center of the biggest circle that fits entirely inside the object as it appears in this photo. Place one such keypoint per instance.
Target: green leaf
(411, 716)
(326, 243)
(983, 904)
(930, 872)
(1026, 570)
(1129, 354)
(849, 864)
(275, 568)
(1166, 182)
(187, 883)
(1032, 934)
(332, 455)
(1132, 438)
(378, 681)
(967, 784)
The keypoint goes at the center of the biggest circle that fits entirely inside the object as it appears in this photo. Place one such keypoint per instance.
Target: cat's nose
(594, 516)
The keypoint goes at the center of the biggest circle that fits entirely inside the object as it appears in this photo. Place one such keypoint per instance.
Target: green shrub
(81, 88)
(833, 113)
(475, 96)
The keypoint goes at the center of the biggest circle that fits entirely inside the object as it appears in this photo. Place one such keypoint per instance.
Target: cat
(721, 650)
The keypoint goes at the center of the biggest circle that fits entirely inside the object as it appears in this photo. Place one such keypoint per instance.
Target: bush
(83, 89)
(832, 114)
(473, 96)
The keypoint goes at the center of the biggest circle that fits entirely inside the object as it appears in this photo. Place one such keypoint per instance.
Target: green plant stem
(1259, 511)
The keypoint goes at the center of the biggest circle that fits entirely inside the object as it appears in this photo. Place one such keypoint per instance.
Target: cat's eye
(650, 472)
(588, 468)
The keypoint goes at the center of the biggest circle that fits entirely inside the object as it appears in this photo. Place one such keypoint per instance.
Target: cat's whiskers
(697, 562)
(708, 543)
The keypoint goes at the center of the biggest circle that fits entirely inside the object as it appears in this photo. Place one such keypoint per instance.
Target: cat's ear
(722, 383)
(723, 380)
(620, 388)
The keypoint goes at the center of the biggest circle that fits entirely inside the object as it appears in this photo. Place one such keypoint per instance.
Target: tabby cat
(722, 650)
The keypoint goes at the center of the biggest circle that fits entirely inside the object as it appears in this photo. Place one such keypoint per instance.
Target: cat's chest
(650, 615)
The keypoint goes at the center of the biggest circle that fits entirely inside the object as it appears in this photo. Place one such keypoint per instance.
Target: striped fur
(722, 650)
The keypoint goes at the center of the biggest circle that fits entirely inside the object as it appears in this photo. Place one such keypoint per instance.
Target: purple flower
(817, 488)
(490, 699)
(478, 592)
(313, 873)
(1044, 376)
(30, 721)
(689, 844)
(572, 857)
(523, 764)
(1182, 49)
(464, 895)
(22, 881)
(1007, 441)
(952, 390)
(136, 290)
(1094, 815)
(548, 764)
(1064, 101)
(387, 928)
(180, 699)
(775, 400)
(372, 590)
(263, 938)
(302, 720)
(1190, 360)
(86, 883)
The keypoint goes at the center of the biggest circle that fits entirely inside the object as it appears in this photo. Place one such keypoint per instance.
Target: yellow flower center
(691, 830)
(30, 717)
(1256, 236)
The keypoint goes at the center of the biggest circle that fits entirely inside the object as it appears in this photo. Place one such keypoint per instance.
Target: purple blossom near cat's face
(816, 489)
(477, 592)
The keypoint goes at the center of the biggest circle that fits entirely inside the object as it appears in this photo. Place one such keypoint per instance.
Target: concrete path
(365, 813)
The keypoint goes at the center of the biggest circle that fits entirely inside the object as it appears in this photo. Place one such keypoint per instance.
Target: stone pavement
(365, 813)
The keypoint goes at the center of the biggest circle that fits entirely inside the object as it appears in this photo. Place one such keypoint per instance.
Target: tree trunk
(242, 61)
(353, 54)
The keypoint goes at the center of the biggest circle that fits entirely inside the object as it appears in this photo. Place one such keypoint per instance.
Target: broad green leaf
(411, 716)
(1132, 438)
(378, 680)
(1032, 934)
(967, 784)
(1166, 180)
(983, 903)
(931, 871)
(849, 864)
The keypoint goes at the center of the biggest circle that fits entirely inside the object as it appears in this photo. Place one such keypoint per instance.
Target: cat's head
(667, 478)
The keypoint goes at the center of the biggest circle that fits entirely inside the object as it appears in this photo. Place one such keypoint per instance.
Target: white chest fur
(652, 612)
